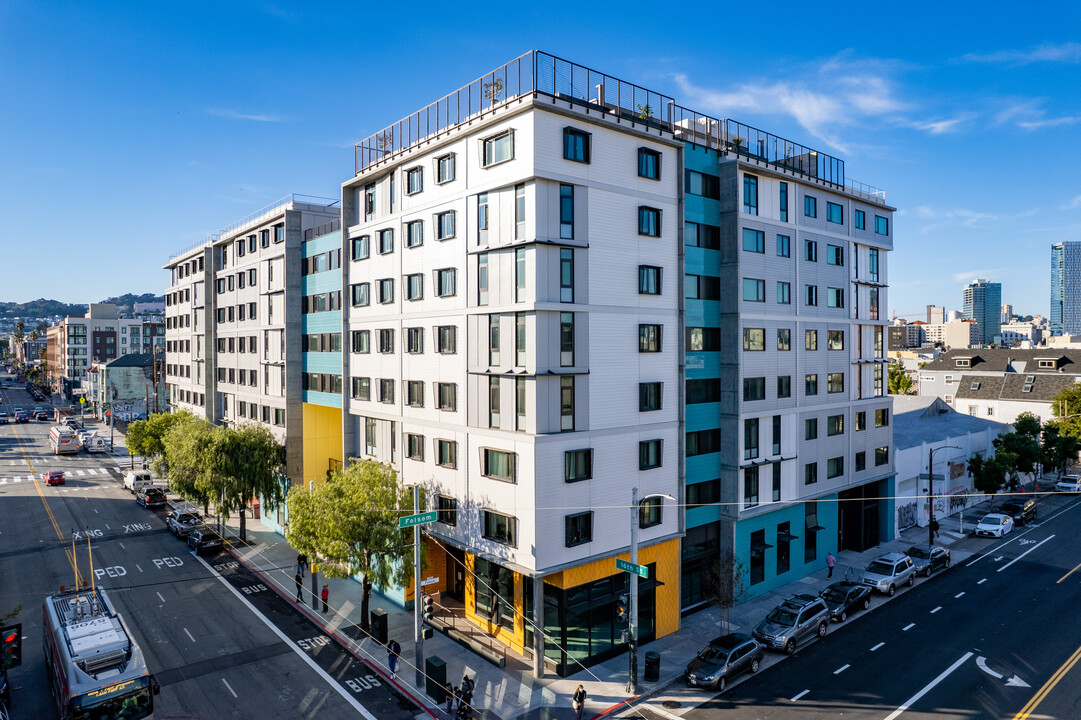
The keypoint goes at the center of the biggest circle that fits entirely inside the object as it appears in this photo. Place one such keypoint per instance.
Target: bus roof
(96, 640)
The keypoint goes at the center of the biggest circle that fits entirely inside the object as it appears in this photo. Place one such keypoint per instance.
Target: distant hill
(126, 303)
(47, 308)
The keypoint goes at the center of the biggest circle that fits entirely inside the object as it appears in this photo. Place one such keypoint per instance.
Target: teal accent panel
(701, 261)
(703, 364)
(321, 282)
(703, 415)
(886, 510)
(322, 362)
(322, 322)
(322, 398)
(703, 515)
(703, 467)
(330, 241)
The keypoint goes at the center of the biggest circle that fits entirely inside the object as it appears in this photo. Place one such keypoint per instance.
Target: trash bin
(379, 626)
(653, 666)
(435, 679)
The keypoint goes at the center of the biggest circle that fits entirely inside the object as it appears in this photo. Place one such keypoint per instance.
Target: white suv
(1069, 483)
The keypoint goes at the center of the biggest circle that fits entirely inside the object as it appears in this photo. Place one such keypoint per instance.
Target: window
(703, 391)
(414, 287)
(386, 391)
(649, 338)
(835, 297)
(566, 275)
(776, 481)
(575, 145)
(784, 293)
(810, 206)
(754, 240)
(835, 255)
(703, 493)
(446, 453)
(701, 235)
(784, 339)
(784, 202)
(566, 403)
(750, 486)
(860, 220)
(445, 225)
(750, 194)
(810, 293)
(519, 404)
(446, 282)
(566, 212)
(649, 164)
(754, 339)
(784, 386)
(519, 275)
(649, 221)
(482, 219)
(566, 339)
(649, 396)
(754, 290)
(754, 388)
(414, 340)
(835, 382)
(701, 287)
(702, 339)
(872, 268)
(499, 465)
(519, 339)
(444, 169)
(578, 465)
(493, 402)
(810, 473)
(810, 384)
(414, 394)
(493, 339)
(872, 303)
(649, 454)
(882, 417)
(882, 455)
(362, 341)
(386, 340)
(810, 250)
(835, 339)
(369, 200)
(446, 339)
(446, 396)
(446, 507)
(750, 438)
(501, 528)
(414, 181)
(835, 213)
(776, 449)
(649, 280)
(810, 429)
(878, 381)
(861, 420)
(861, 461)
(835, 467)
(882, 225)
(649, 512)
(835, 425)
(704, 185)
(385, 241)
(579, 529)
(810, 339)
(497, 149)
(519, 212)
(362, 247)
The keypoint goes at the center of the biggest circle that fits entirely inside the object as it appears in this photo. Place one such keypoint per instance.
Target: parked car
(889, 571)
(1069, 483)
(723, 659)
(798, 619)
(53, 477)
(41, 414)
(844, 597)
(182, 523)
(1021, 510)
(928, 558)
(994, 525)
(151, 497)
(203, 538)
(4, 418)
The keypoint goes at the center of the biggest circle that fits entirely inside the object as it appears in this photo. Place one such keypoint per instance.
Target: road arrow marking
(981, 662)
(1016, 682)
(1011, 562)
(999, 558)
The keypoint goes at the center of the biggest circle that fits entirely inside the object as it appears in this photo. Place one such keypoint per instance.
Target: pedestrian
(393, 650)
(578, 702)
(450, 699)
(299, 580)
(326, 596)
(465, 706)
(457, 698)
(934, 527)
(302, 564)
(468, 685)
(830, 562)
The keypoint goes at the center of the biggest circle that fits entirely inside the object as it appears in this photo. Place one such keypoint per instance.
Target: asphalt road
(220, 643)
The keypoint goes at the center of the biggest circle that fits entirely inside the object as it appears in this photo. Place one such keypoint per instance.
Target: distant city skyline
(201, 116)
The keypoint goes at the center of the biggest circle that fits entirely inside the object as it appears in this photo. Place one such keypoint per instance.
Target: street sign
(429, 581)
(624, 565)
(419, 519)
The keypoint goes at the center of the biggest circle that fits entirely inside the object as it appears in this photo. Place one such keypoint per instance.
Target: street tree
(19, 333)
(1018, 452)
(726, 586)
(900, 382)
(987, 473)
(1058, 449)
(350, 525)
(1067, 410)
(251, 461)
(189, 459)
(147, 437)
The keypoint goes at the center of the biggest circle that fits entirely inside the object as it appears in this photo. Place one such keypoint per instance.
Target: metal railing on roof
(208, 240)
(324, 229)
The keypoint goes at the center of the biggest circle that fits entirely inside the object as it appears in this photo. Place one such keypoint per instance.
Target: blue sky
(132, 130)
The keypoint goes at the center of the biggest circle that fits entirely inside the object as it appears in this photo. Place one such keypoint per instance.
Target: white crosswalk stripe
(79, 472)
(92, 471)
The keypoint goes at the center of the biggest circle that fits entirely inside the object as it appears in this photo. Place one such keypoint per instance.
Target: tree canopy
(899, 382)
(1067, 410)
(988, 474)
(147, 437)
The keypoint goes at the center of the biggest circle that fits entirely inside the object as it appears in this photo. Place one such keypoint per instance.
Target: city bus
(63, 440)
(96, 670)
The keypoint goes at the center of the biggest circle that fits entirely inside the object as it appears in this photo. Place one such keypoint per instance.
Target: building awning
(815, 529)
(787, 536)
(758, 548)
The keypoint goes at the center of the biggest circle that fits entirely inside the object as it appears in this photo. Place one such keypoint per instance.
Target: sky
(134, 130)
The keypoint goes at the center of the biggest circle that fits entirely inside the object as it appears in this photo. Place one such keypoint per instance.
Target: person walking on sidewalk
(578, 702)
(468, 685)
(934, 529)
(299, 580)
(325, 595)
(302, 564)
(830, 562)
(393, 651)
(451, 690)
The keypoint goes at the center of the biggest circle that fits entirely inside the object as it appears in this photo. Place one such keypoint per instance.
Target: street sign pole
(418, 606)
(632, 612)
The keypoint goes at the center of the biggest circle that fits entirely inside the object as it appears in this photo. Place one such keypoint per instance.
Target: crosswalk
(115, 471)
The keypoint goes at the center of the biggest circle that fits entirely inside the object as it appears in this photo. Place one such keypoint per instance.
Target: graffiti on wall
(957, 469)
(906, 515)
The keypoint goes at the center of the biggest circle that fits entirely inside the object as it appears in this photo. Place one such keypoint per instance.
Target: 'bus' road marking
(189, 635)
(227, 686)
(799, 696)
(841, 669)
(909, 626)
(936, 609)
(958, 595)
(928, 687)
(982, 581)
(1011, 562)
(876, 647)
(284, 638)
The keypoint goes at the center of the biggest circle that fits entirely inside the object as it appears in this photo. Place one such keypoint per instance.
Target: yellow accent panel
(322, 440)
(514, 639)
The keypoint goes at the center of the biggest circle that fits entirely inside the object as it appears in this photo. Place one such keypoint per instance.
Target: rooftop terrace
(538, 73)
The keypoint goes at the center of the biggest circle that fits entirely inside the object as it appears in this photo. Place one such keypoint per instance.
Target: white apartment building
(99, 335)
(953, 334)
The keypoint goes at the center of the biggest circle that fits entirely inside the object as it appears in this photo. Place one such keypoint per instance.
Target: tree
(147, 437)
(1067, 408)
(987, 473)
(1019, 451)
(1058, 449)
(350, 524)
(189, 459)
(900, 382)
(18, 334)
(252, 460)
(726, 586)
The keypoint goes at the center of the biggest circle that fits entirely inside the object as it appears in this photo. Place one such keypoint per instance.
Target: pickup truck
(135, 480)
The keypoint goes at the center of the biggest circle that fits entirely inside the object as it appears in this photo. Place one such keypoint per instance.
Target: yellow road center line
(1048, 686)
(1067, 574)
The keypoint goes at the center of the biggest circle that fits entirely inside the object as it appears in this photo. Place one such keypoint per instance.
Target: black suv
(799, 619)
(1022, 510)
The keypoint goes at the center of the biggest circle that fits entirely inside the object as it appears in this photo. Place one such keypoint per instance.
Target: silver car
(889, 571)
(798, 619)
(182, 523)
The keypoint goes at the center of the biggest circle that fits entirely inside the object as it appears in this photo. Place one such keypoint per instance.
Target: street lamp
(632, 604)
(931, 489)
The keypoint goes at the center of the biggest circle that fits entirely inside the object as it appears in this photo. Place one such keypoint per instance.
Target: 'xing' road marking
(1049, 685)
(841, 669)
(936, 609)
(189, 635)
(799, 696)
(928, 687)
(982, 581)
(876, 647)
(1011, 562)
(909, 626)
(227, 686)
(958, 595)
(295, 648)
(1067, 575)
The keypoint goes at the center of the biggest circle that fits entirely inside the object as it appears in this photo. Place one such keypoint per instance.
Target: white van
(135, 480)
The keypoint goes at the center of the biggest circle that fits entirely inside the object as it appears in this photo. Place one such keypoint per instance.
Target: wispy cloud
(969, 275)
(1049, 122)
(234, 115)
(1063, 53)
(940, 127)
(1073, 204)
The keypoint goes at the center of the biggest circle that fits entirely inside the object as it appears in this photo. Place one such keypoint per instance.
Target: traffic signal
(428, 608)
(621, 608)
(12, 646)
